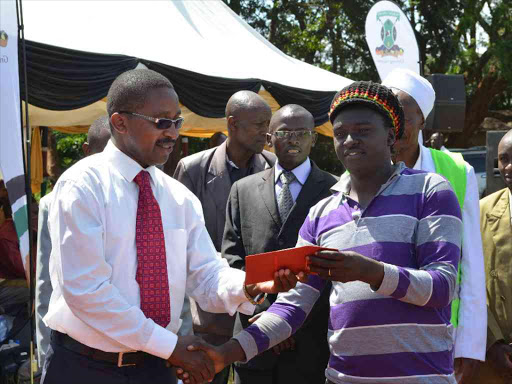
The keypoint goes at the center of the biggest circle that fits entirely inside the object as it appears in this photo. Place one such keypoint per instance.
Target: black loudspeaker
(450, 105)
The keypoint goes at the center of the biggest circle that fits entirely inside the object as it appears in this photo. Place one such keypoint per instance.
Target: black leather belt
(121, 359)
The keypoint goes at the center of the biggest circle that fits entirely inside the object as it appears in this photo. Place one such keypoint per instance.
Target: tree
(468, 37)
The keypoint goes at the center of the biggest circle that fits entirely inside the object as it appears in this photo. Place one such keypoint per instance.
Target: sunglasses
(161, 123)
(290, 134)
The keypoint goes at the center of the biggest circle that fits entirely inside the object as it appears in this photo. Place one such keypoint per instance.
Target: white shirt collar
(126, 166)
(301, 172)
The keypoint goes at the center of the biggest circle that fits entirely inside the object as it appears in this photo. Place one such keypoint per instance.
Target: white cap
(414, 85)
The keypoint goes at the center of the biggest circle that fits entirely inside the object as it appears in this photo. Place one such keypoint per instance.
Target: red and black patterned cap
(373, 95)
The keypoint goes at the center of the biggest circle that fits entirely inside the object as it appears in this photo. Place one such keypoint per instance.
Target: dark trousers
(63, 366)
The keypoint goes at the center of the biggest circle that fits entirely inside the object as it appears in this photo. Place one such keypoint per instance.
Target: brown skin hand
(347, 266)
(500, 357)
(197, 364)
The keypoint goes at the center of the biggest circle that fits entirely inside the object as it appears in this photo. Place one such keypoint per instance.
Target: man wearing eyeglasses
(265, 212)
(128, 242)
(210, 174)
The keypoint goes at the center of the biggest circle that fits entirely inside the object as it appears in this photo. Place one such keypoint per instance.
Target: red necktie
(151, 257)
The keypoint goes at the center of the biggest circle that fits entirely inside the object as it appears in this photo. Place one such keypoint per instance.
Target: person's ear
(85, 149)
(269, 140)
(315, 138)
(423, 122)
(231, 124)
(391, 137)
(118, 123)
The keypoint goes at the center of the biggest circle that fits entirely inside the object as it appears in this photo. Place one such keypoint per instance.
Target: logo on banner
(388, 34)
(4, 38)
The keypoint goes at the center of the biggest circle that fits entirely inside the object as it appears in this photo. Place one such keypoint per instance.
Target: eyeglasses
(161, 123)
(290, 134)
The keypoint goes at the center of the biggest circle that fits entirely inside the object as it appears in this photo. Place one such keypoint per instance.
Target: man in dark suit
(265, 212)
(210, 174)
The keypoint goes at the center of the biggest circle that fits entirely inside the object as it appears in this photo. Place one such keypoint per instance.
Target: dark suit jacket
(206, 174)
(253, 226)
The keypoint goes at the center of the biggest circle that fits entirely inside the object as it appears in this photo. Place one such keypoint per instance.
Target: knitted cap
(375, 96)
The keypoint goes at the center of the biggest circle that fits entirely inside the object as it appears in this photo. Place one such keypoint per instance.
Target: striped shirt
(400, 333)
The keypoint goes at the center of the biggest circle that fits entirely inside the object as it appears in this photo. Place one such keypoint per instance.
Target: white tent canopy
(203, 36)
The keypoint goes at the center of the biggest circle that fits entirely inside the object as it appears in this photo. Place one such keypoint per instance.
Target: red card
(261, 267)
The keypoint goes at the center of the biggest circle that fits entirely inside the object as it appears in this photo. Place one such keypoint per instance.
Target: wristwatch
(259, 299)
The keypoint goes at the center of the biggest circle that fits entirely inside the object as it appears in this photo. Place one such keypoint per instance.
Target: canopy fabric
(65, 79)
(201, 36)
(205, 49)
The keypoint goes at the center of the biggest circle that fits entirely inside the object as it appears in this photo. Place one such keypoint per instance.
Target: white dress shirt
(96, 299)
(471, 332)
(301, 175)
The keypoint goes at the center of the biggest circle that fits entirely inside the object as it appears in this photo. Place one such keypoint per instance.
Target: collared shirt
(413, 227)
(96, 299)
(301, 175)
(235, 172)
(471, 334)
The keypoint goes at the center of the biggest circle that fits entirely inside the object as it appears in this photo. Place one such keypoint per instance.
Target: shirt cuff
(390, 281)
(248, 344)
(161, 343)
(247, 308)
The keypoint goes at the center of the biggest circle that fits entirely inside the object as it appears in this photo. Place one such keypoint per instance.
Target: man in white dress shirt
(108, 252)
(97, 138)
(469, 312)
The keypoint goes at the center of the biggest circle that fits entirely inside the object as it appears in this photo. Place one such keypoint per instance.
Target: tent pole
(28, 188)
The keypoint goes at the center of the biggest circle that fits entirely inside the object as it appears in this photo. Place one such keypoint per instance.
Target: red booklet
(261, 267)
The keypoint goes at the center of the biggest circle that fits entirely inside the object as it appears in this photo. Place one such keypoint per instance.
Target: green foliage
(197, 144)
(69, 147)
(468, 37)
(324, 156)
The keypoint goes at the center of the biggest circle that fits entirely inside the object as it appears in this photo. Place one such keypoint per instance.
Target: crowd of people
(141, 276)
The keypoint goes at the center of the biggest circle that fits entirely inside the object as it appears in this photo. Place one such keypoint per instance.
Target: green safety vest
(452, 167)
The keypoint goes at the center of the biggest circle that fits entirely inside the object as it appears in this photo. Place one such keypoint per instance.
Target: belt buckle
(120, 360)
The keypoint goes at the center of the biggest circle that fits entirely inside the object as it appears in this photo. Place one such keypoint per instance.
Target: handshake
(198, 362)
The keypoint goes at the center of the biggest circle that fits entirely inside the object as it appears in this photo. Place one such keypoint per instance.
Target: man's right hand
(500, 356)
(197, 364)
(222, 356)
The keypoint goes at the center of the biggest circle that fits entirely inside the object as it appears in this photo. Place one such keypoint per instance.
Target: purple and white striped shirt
(400, 333)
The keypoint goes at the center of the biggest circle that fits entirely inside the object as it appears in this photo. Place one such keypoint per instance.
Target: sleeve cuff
(238, 291)
(248, 344)
(247, 308)
(161, 343)
(390, 281)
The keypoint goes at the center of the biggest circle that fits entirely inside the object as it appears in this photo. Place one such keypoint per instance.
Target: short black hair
(375, 96)
(130, 89)
(98, 134)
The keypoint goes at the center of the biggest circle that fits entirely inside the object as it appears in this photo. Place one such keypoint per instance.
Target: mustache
(166, 141)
